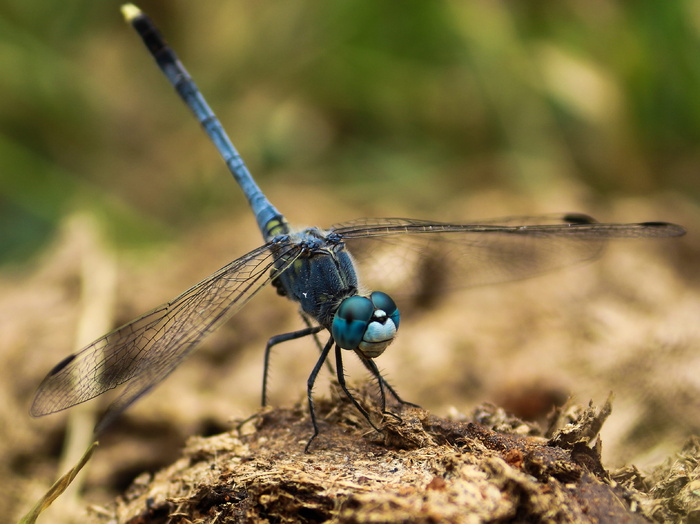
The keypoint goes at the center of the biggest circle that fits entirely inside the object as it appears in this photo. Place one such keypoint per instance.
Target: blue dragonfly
(314, 268)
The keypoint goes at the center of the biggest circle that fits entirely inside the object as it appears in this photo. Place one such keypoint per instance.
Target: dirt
(421, 468)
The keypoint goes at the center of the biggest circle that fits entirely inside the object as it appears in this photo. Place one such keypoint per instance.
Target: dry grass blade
(58, 487)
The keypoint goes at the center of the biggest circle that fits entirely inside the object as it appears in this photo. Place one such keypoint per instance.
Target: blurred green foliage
(374, 100)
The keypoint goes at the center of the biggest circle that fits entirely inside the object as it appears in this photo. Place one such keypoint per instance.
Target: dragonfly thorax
(321, 274)
(366, 324)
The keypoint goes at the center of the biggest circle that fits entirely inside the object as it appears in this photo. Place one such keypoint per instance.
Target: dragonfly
(318, 269)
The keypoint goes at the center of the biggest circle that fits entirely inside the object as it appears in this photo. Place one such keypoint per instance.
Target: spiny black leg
(309, 322)
(311, 330)
(341, 381)
(310, 387)
(372, 367)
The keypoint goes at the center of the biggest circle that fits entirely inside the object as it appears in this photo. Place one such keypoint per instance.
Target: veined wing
(419, 256)
(147, 349)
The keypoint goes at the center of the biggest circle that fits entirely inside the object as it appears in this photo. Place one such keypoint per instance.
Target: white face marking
(378, 332)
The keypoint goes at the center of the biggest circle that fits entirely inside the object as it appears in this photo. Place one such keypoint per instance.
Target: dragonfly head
(366, 324)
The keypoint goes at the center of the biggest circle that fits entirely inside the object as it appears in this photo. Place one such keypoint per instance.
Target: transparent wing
(421, 257)
(147, 349)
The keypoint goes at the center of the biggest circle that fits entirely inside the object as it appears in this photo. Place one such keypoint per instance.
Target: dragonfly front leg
(311, 330)
(372, 368)
(341, 381)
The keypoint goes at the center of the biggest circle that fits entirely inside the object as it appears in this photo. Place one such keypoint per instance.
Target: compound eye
(384, 302)
(351, 320)
(356, 308)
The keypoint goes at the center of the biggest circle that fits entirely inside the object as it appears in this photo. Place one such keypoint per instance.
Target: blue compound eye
(386, 303)
(351, 320)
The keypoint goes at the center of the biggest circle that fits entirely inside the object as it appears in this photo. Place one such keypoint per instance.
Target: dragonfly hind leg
(311, 330)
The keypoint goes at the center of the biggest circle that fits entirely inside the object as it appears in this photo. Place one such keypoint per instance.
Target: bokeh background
(113, 201)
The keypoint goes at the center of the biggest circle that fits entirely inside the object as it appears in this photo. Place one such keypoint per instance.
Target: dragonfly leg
(309, 322)
(311, 330)
(310, 387)
(372, 367)
(341, 380)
